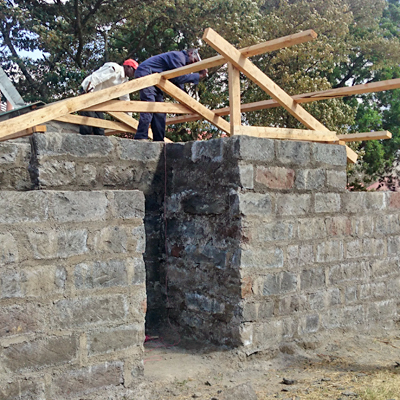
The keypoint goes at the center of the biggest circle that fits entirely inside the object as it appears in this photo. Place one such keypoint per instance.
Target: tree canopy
(47, 47)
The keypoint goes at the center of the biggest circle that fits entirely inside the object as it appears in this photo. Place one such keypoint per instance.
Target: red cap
(131, 63)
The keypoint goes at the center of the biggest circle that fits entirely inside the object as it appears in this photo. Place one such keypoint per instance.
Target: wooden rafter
(140, 106)
(258, 77)
(99, 123)
(261, 48)
(301, 98)
(286, 133)
(194, 105)
(65, 107)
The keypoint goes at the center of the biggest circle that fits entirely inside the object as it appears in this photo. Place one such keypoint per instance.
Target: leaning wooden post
(234, 98)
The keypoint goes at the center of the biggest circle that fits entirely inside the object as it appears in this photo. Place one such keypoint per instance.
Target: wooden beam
(140, 106)
(249, 51)
(351, 155)
(65, 107)
(126, 119)
(355, 137)
(234, 98)
(301, 98)
(285, 133)
(194, 105)
(25, 132)
(97, 122)
(257, 76)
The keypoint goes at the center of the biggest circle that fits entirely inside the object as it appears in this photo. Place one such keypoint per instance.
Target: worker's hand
(203, 73)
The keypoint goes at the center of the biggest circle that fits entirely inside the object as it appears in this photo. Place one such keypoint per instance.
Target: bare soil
(337, 367)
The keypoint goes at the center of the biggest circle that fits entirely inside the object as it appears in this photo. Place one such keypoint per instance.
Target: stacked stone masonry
(258, 240)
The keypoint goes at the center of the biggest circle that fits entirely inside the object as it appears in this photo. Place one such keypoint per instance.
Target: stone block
(23, 389)
(330, 251)
(381, 311)
(350, 294)
(73, 313)
(101, 274)
(139, 151)
(71, 144)
(291, 152)
(394, 200)
(271, 232)
(112, 340)
(290, 305)
(338, 226)
(375, 200)
(300, 255)
(310, 179)
(348, 272)
(41, 353)
(54, 173)
(393, 243)
(118, 175)
(317, 300)
(54, 243)
(78, 206)
(8, 153)
(113, 239)
(333, 319)
(209, 151)
(279, 283)
(203, 303)
(82, 382)
(254, 203)
(42, 282)
(373, 291)
(275, 177)
(293, 204)
(327, 202)
(311, 279)
(23, 206)
(138, 233)
(86, 175)
(328, 154)
(253, 149)
(387, 224)
(139, 271)
(8, 249)
(10, 284)
(205, 203)
(19, 320)
(336, 180)
(128, 204)
(353, 202)
(246, 174)
(311, 228)
(354, 315)
(308, 324)
(262, 258)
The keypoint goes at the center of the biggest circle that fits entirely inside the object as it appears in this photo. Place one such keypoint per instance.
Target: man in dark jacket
(160, 63)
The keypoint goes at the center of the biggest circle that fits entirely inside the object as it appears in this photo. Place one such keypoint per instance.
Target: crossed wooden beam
(238, 61)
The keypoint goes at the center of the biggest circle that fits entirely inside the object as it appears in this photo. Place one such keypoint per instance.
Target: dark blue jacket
(165, 62)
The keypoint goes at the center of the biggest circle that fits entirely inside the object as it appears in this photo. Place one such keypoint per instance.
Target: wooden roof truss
(238, 61)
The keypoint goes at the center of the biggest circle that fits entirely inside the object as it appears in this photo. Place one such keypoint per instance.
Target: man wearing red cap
(110, 74)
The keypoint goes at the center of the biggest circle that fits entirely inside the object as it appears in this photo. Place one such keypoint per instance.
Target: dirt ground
(337, 367)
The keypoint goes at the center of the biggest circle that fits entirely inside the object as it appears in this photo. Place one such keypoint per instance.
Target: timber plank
(99, 123)
(140, 106)
(271, 45)
(234, 98)
(355, 137)
(287, 133)
(262, 80)
(65, 107)
(194, 105)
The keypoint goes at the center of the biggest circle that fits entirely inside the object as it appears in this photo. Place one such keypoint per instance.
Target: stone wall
(72, 292)
(265, 245)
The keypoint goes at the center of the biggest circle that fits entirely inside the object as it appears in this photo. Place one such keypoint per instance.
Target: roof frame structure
(238, 62)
